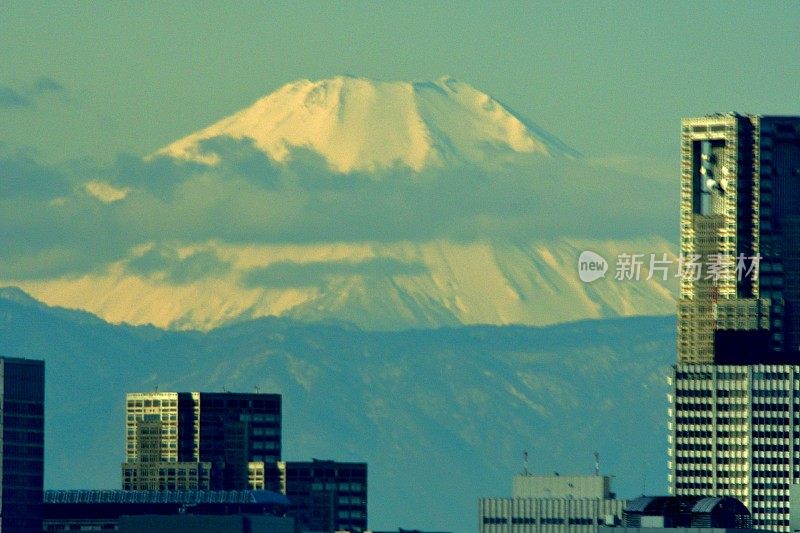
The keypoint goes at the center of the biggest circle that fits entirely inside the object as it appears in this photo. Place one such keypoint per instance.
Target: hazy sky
(610, 78)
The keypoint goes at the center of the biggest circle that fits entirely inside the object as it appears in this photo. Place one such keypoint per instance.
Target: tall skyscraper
(735, 408)
(740, 210)
(199, 440)
(21, 445)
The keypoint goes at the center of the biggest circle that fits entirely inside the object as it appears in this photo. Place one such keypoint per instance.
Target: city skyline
(400, 221)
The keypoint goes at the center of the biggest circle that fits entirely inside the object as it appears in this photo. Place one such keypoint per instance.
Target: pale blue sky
(609, 78)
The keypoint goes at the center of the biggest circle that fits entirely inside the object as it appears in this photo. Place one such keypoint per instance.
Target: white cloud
(105, 192)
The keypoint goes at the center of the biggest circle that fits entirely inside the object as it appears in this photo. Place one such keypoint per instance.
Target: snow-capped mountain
(426, 211)
(357, 124)
(375, 286)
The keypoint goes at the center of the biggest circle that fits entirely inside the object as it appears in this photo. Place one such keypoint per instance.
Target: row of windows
(771, 375)
(731, 461)
(734, 420)
(351, 500)
(740, 376)
(770, 474)
(693, 485)
(695, 434)
(771, 460)
(23, 452)
(771, 420)
(698, 420)
(770, 447)
(731, 434)
(773, 407)
(683, 407)
(23, 422)
(23, 408)
(768, 498)
(22, 437)
(259, 417)
(692, 393)
(770, 486)
(582, 521)
(694, 447)
(694, 460)
(731, 407)
(21, 480)
(353, 487)
(770, 522)
(152, 403)
(680, 472)
(151, 417)
(165, 472)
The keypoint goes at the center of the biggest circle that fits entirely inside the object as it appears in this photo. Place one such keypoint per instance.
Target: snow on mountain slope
(452, 210)
(375, 286)
(358, 124)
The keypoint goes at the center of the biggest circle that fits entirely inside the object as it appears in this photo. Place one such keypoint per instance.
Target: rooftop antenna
(525, 462)
(155, 389)
(258, 391)
(596, 463)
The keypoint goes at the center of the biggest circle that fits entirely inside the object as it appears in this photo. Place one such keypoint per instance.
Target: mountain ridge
(439, 415)
(375, 286)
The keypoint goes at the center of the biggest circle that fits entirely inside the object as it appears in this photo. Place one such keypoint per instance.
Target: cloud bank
(77, 218)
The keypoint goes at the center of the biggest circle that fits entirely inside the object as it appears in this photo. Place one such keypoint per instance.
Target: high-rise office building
(199, 440)
(21, 445)
(740, 211)
(734, 425)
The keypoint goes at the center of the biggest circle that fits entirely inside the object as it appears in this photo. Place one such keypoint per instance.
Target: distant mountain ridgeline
(441, 416)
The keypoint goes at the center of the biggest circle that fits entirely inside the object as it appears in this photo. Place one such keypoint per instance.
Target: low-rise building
(552, 503)
(684, 514)
(94, 510)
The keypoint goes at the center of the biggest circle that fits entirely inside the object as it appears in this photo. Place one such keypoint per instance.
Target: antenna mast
(596, 463)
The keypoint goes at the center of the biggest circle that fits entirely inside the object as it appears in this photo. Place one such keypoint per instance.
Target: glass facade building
(21, 445)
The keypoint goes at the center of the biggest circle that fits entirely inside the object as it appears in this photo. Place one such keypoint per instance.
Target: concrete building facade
(734, 430)
(551, 504)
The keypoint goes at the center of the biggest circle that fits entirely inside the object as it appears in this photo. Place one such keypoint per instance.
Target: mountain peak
(359, 124)
(15, 294)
